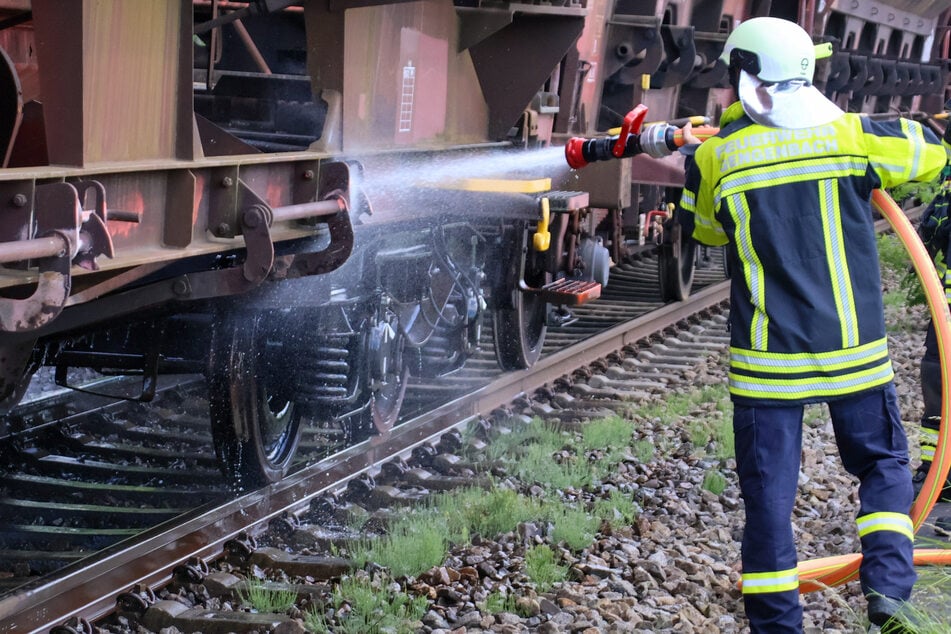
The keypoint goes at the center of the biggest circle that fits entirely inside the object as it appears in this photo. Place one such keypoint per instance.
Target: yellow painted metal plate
(502, 185)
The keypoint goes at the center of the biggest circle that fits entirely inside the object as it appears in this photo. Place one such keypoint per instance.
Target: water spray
(657, 140)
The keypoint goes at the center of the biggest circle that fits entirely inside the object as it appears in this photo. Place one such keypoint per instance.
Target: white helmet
(776, 60)
(771, 49)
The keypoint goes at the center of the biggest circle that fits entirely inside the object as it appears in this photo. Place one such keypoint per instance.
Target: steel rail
(88, 589)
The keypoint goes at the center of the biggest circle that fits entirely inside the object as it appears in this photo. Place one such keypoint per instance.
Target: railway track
(135, 467)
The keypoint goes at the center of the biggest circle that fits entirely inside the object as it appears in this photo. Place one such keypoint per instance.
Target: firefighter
(787, 184)
(935, 232)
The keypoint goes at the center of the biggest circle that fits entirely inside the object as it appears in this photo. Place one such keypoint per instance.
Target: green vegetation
(719, 430)
(723, 434)
(701, 430)
(261, 597)
(555, 461)
(542, 567)
(896, 264)
(545, 465)
(814, 415)
(496, 603)
(913, 618)
(415, 543)
(511, 444)
(932, 589)
(681, 404)
(487, 513)
(699, 433)
(542, 454)
(363, 607)
(644, 450)
(714, 482)
(672, 409)
(611, 435)
(911, 194)
(574, 527)
(558, 464)
(356, 518)
(892, 254)
(618, 508)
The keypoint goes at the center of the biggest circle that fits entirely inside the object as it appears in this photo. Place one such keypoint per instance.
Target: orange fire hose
(813, 572)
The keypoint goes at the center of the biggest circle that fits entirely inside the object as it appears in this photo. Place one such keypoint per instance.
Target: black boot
(891, 615)
(918, 480)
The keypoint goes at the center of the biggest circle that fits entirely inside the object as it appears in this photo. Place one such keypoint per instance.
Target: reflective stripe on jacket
(806, 314)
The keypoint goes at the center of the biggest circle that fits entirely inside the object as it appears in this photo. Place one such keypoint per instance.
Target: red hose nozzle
(656, 140)
(573, 153)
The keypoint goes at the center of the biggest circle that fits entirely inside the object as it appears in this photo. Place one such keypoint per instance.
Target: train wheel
(387, 400)
(388, 374)
(255, 423)
(519, 320)
(519, 332)
(675, 267)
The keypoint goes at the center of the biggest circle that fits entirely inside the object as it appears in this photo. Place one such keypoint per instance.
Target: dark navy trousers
(872, 445)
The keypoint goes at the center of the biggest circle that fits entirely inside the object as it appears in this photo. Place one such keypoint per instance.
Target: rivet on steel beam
(227, 181)
(308, 175)
(251, 219)
(180, 287)
(19, 200)
(224, 229)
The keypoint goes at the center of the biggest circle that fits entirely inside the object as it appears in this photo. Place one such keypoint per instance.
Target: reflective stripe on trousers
(873, 447)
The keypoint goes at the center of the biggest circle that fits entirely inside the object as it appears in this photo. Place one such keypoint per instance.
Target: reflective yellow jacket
(806, 315)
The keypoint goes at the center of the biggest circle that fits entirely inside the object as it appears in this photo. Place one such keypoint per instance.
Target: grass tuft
(714, 482)
(725, 441)
(497, 602)
(540, 464)
(261, 597)
(618, 509)
(486, 513)
(415, 543)
(574, 527)
(644, 451)
(542, 567)
(609, 434)
(362, 607)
